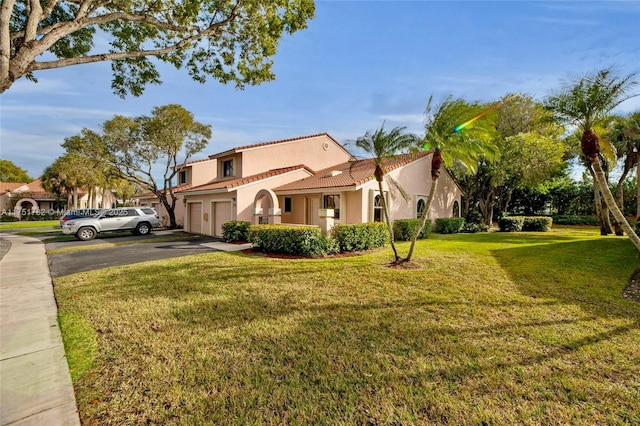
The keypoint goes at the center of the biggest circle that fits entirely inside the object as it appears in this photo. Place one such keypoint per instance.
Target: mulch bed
(252, 252)
(632, 290)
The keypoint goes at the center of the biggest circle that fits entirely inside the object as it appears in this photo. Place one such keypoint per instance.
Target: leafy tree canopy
(232, 41)
(9, 172)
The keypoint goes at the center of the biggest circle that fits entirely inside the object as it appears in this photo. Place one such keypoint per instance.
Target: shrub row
(575, 220)
(361, 236)
(308, 241)
(404, 229)
(235, 231)
(525, 223)
(297, 240)
(8, 218)
(449, 225)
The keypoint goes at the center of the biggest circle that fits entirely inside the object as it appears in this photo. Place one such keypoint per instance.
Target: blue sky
(359, 64)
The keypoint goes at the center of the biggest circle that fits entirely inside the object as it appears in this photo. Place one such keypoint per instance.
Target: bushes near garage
(361, 236)
(525, 223)
(404, 229)
(235, 231)
(449, 225)
(305, 241)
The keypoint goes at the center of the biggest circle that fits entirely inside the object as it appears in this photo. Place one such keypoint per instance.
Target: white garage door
(221, 214)
(195, 218)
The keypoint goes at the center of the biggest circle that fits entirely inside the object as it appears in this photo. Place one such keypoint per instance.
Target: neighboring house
(31, 197)
(28, 197)
(309, 180)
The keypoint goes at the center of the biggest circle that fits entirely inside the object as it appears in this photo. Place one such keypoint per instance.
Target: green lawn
(495, 329)
(29, 224)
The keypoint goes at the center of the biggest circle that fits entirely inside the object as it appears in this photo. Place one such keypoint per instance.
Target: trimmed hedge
(361, 236)
(575, 220)
(403, 229)
(525, 223)
(537, 223)
(235, 231)
(8, 218)
(449, 225)
(473, 227)
(511, 223)
(297, 240)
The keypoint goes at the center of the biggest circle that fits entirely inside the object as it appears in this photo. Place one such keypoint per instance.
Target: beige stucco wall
(202, 172)
(309, 152)
(298, 206)
(244, 198)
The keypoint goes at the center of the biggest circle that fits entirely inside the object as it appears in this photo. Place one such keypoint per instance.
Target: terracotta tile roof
(258, 145)
(10, 186)
(234, 183)
(176, 189)
(193, 162)
(349, 174)
(34, 189)
(36, 186)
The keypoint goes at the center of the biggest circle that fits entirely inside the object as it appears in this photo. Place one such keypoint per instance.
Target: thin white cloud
(43, 86)
(58, 111)
(568, 21)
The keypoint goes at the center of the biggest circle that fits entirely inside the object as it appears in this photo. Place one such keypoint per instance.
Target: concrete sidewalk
(35, 385)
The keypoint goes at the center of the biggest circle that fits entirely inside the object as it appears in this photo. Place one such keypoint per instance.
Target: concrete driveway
(98, 258)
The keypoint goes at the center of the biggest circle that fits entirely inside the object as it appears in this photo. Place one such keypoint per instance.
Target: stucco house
(32, 197)
(309, 180)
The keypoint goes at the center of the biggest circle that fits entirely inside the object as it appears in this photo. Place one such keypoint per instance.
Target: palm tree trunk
(387, 220)
(619, 197)
(638, 184)
(608, 198)
(423, 217)
(598, 204)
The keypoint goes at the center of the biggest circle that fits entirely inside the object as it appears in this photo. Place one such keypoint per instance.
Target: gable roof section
(345, 175)
(265, 144)
(10, 186)
(150, 194)
(228, 185)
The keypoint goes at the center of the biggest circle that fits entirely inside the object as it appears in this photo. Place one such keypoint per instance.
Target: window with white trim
(378, 209)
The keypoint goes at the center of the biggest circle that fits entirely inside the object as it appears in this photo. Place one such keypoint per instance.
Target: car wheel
(143, 229)
(85, 234)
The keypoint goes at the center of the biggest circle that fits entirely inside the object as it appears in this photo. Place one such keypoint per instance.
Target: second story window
(227, 168)
(182, 177)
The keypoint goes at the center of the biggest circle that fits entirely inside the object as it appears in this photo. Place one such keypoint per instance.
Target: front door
(313, 215)
(195, 218)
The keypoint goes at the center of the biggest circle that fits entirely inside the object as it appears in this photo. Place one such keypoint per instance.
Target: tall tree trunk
(387, 220)
(608, 198)
(75, 197)
(436, 163)
(486, 208)
(598, 204)
(423, 218)
(619, 196)
(638, 185)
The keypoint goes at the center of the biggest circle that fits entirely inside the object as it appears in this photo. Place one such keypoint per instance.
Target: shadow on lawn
(590, 273)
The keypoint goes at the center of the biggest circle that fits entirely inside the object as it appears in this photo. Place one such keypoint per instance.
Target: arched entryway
(22, 210)
(266, 208)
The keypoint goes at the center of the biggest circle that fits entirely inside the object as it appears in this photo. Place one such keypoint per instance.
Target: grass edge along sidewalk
(36, 385)
(499, 328)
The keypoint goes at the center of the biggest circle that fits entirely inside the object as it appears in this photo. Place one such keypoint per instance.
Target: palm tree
(383, 146)
(585, 103)
(625, 136)
(450, 146)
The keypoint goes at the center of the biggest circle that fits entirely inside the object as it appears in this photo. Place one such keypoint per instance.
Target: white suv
(139, 220)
